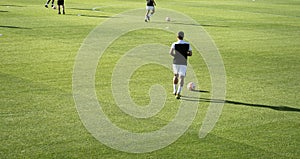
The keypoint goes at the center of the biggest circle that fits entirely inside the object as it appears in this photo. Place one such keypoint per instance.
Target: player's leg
(175, 82)
(146, 15)
(46, 5)
(152, 12)
(63, 7)
(181, 72)
(58, 6)
(175, 78)
(52, 3)
(181, 83)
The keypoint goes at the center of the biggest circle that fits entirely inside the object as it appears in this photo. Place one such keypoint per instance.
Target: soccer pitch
(97, 81)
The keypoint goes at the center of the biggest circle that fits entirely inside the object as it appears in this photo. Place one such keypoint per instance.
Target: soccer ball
(191, 86)
(168, 19)
(53, 7)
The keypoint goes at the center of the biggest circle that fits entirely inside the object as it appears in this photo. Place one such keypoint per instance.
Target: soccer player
(150, 9)
(52, 4)
(180, 50)
(61, 3)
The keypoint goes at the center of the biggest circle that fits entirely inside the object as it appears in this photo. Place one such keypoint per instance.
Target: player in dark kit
(149, 7)
(61, 3)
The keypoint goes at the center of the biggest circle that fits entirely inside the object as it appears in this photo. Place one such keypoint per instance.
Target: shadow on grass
(9, 5)
(278, 108)
(3, 11)
(200, 91)
(203, 25)
(13, 27)
(86, 9)
(92, 16)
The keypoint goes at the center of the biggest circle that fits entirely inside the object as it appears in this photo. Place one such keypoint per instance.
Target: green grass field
(259, 42)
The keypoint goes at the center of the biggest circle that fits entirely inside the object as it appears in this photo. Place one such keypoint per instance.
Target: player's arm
(154, 2)
(190, 52)
(172, 52)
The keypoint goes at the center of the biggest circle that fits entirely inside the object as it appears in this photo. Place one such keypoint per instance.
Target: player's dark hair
(180, 37)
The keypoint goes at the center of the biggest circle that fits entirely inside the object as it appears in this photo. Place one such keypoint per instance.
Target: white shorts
(179, 69)
(150, 8)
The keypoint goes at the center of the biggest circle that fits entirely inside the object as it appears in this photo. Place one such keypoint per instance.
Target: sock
(179, 89)
(174, 88)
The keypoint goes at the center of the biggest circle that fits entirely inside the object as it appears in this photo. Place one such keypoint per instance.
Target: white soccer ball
(191, 86)
(53, 7)
(168, 19)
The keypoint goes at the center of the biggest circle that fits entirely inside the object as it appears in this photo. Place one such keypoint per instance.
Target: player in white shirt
(180, 51)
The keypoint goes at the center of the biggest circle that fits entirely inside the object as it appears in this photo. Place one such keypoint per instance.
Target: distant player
(52, 4)
(61, 3)
(150, 9)
(180, 50)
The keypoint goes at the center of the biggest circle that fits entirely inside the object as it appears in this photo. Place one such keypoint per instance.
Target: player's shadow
(92, 16)
(203, 25)
(84, 9)
(193, 24)
(201, 91)
(278, 108)
(96, 16)
(10, 5)
(13, 27)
